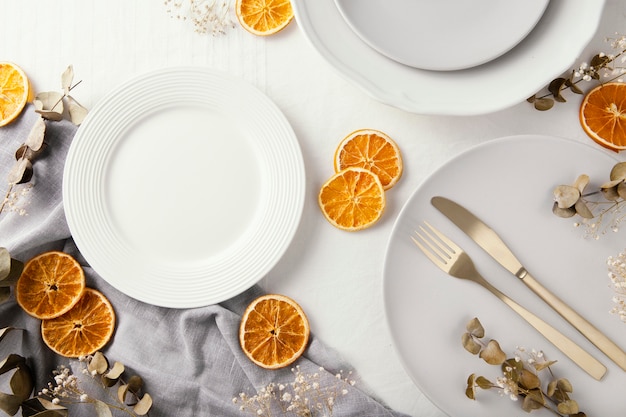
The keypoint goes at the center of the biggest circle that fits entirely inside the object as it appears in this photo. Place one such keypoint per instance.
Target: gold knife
(494, 246)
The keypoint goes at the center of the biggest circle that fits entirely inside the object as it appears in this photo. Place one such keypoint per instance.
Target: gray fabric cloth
(190, 359)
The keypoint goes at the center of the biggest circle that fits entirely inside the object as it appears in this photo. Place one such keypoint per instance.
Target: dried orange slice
(14, 92)
(50, 284)
(603, 115)
(372, 150)
(274, 331)
(264, 17)
(83, 330)
(352, 199)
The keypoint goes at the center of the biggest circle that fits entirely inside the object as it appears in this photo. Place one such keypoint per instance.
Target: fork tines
(439, 246)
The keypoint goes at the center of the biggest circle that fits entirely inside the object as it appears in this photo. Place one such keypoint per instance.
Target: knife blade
(491, 243)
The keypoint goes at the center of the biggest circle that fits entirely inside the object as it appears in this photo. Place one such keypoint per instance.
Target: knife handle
(577, 354)
(595, 336)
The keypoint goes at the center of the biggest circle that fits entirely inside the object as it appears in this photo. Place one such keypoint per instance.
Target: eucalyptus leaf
(5, 294)
(76, 110)
(143, 406)
(540, 366)
(610, 194)
(53, 115)
(111, 377)
(618, 172)
(102, 410)
(40, 407)
(19, 172)
(581, 182)
(470, 391)
(11, 362)
(35, 138)
(564, 213)
(621, 190)
(529, 380)
(66, 79)
(22, 382)
(566, 195)
(5, 263)
(122, 390)
(15, 270)
(599, 61)
(49, 101)
(555, 87)
(135, 384)
(572, 86)
(475, 328)
(568, 407)
(492, 354)
(4, 331)
(483, 382)
(116, 371)
(10, 404)
(582, 210)
(543, 104)
(564, 384)
(98, 363)
(470, 344)
(529, 404)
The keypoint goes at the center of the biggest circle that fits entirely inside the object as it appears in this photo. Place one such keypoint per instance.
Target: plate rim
(425, 96)
(212, 82)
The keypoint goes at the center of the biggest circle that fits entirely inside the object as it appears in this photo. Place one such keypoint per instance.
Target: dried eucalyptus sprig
(20, 382)
(604, 205)
(22, 170)
(601, 68)
(51, 105)
(308, 395)
(66, 389)
(10, 270)
(520, 376)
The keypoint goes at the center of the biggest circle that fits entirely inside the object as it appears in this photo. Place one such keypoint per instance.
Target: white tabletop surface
(336, 276)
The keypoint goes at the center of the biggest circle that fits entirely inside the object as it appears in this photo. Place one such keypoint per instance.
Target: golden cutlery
(494, 246)
(453, 260)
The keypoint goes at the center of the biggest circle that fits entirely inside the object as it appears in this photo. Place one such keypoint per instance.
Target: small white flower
(56, 401)
(84, 398)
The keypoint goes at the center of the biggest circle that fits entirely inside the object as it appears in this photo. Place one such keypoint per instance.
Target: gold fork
(450, 258)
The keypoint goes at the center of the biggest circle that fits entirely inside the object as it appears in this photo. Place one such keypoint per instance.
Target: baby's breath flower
(208, 16)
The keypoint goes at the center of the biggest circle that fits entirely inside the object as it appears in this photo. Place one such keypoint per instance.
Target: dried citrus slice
(50, 284)
(264, 17)
(373, 150)
(83, 330)
(274, 331)
(352, 199)
(603, 115)
(14, 92)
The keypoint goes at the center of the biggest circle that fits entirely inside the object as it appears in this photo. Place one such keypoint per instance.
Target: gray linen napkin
(190, 359)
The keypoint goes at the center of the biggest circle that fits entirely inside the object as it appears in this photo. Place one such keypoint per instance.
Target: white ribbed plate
(184, 187)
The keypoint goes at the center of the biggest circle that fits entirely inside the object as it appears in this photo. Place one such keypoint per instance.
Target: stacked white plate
(448, 57)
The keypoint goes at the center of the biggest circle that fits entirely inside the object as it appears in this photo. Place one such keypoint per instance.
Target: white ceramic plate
(503, 82)
(184, 187)
(508, 183)
(442, 35)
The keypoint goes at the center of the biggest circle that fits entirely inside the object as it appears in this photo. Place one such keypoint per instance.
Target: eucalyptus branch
(601, 68)
(520, 375)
